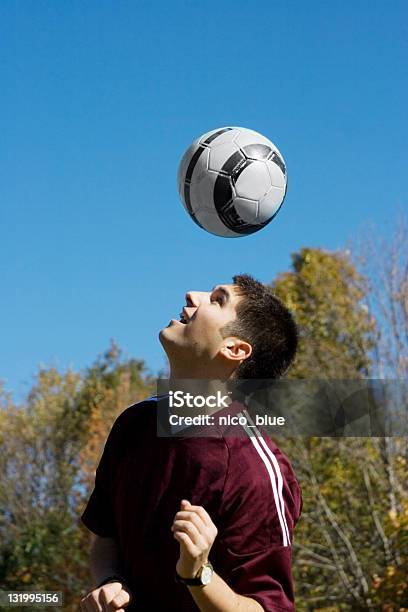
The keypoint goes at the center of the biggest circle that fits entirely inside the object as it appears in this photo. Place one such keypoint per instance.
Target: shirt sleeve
(265, 577)
(255, 535)
(98, 515)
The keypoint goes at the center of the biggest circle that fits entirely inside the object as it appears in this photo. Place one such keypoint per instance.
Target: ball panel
(257, 151)
(207, 135)
(250, 137)
(270, 204)
(219, 137)
(233, 164)
(246, 209)
(220, 156)
(278, 179)
(222, 191)
(213, 224)
(182, 169)
(253, 182)
(186, 199)
(278, 160)
(231, 218)
(207, 138)
(193, 167)
(202, 192)
(198, 166)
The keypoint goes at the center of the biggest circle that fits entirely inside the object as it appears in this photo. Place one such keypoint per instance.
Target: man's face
(197, 334)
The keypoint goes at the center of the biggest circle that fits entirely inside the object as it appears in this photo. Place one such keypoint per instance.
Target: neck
(208, 371)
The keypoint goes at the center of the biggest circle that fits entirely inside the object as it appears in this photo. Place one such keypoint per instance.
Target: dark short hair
(267, 324)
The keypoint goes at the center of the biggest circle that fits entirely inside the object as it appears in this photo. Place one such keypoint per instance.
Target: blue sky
(98, 102)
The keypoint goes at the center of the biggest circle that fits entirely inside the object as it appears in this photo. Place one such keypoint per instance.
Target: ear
(235, 349)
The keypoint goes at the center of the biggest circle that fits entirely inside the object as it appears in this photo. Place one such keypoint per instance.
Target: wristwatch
(202, 577)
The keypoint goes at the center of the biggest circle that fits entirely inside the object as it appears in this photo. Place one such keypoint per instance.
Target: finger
(91, 603)
(189, 528)
(202, 513)
(199, 542)
(187, 543)
(193, 517)
(120, 600)
(108, 592)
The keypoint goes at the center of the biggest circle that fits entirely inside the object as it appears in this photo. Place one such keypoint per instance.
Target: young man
(200, 523)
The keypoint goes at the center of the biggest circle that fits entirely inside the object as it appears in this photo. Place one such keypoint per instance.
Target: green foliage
(326, 294)
(348, 551)
(348, 554)
(38, 501)
(45, 478)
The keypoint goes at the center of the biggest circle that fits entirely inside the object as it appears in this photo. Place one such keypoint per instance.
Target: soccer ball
(232, 181)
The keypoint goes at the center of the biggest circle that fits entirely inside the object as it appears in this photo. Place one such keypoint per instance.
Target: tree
(326, 293)
(384, 262)
(38, 525)
(50, 448)
(349, 547)
(110, 385)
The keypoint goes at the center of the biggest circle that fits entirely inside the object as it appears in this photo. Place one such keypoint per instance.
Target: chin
(163, 335)
(167, 337)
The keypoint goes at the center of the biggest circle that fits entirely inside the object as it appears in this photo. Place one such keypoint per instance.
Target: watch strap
(196, 580)
(189, 581)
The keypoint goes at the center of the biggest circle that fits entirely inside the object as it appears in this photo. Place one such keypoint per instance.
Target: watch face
(206, 574)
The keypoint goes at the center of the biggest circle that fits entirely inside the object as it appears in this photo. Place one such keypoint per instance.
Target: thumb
(185, 504)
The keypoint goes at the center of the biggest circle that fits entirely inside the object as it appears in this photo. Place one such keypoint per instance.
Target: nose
(195, 298)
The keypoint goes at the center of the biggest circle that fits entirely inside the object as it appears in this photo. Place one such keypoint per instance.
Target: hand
(108, 598)
(194, 529)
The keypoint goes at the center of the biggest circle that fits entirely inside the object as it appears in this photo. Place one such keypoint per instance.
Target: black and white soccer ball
(232, 181)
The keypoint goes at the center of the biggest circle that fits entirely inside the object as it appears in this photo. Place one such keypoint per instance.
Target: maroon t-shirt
(245, 483)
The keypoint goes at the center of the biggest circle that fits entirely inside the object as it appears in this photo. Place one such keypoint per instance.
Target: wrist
(111, 578)
(201, 578)
(188, 570)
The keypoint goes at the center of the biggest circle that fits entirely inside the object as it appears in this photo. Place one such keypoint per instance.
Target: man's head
(265, 322)
(240, 330)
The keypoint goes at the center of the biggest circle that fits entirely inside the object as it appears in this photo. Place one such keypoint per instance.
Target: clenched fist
(194, 529)
(111, 597)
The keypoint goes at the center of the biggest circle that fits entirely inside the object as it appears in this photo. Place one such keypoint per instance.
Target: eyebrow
(222, 290)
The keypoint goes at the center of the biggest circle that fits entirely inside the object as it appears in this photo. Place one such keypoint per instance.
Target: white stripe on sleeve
(276, 466)
(282, 519)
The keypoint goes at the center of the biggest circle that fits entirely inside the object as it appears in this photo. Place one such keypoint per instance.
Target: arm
(98, 518)
(105, 563)
(218, 597)
(196, 533)
(104, 559)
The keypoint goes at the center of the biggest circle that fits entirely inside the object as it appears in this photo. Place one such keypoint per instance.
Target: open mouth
(183, 318)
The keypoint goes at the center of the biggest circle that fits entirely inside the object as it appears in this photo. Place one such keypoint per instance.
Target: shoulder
(261, 492)
(250, 448)
(140, 410)
(254, 449)
(133, 418)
